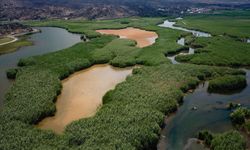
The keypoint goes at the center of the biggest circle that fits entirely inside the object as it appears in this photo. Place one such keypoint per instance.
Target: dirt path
(14, 40)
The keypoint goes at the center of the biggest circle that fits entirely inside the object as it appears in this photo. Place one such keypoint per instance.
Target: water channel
(211, 114)
(50, 39)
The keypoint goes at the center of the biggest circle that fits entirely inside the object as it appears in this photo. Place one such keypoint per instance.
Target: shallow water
(142, 37)
(49, 40)
(212, 113)
(248, 40)
(82, 95)
(181, 41)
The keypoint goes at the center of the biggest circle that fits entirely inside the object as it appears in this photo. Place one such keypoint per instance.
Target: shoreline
(82, 95)
(15, 36)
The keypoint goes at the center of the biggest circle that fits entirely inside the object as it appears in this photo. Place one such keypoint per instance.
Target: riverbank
(41, 44)
(19, 40)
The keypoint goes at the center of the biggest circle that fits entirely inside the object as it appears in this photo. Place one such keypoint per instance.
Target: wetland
(77, 90)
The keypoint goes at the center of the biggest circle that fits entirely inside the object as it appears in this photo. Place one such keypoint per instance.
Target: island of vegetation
(227, 83)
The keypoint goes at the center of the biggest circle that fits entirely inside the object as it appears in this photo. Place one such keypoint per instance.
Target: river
(49, 40)
(211, 114)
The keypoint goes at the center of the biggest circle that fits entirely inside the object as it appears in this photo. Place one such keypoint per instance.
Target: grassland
(22, 41)
(132, 113)
(5, 40)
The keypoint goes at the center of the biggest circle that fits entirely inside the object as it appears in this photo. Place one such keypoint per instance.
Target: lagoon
(50, 39)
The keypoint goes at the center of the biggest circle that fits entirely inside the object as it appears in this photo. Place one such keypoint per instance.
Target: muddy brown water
(83, 91)
(82, 95)
(142, 37)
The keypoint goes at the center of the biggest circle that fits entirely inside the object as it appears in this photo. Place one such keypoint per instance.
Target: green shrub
(11, 73)
(206, 136)
(231, 140)
(227, 83)
(124, 22)
(218, 51)
(247, 126)
(240, 115)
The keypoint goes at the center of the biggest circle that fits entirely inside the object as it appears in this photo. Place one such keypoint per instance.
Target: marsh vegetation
(132, 113)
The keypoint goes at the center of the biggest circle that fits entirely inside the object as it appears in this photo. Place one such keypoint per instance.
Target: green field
(22, 41)
(5, 39)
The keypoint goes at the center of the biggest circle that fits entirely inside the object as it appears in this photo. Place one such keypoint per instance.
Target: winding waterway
(169, 24)
(49, 40)
(211, 114)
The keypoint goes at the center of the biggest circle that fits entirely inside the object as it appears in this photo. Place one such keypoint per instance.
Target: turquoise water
(49, 40)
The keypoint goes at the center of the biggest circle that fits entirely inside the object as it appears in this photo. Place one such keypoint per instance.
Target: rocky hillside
(101, 9)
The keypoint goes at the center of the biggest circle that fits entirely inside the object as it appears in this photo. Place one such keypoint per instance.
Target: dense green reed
(219, 51)
(132, 114)
(227, 83)
(230, 140)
